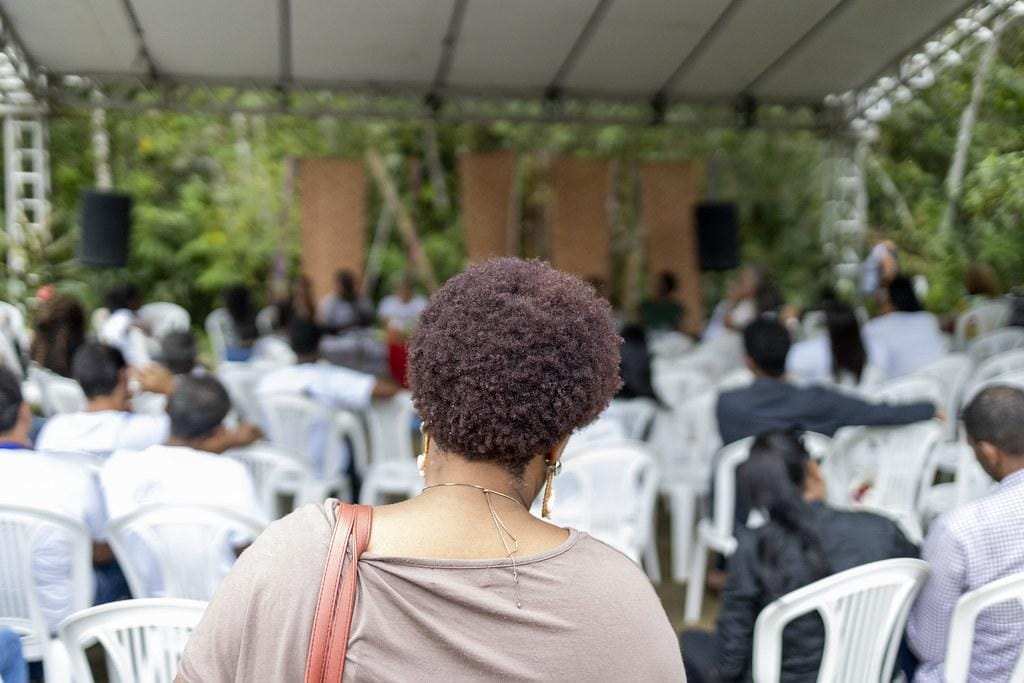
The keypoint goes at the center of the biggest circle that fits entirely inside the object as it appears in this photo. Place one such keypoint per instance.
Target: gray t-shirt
(588, 613)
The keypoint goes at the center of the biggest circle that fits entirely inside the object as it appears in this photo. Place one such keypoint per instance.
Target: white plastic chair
(610, 491)
(143, 639)
(979, 321)
(1007, 363)
(994, 343)
(667, 344)
(273, 350)
(164, 317)
(677, 385)
(392, 471)
(910, 389)
(685, 440)
(897, 462)
(634, 414)
(57, 394)
(864, 610)
(961, 627)
(276, 473)
(953, 371)
(186, 542)
(293, 421)
(216, 326)
(266, 321)
(716, 533)
(240, 380)
(600, 432)
(21, 530)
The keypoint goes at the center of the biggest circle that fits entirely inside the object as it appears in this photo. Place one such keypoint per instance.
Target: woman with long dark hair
(837, 357)
(801, 541)
(59, 331)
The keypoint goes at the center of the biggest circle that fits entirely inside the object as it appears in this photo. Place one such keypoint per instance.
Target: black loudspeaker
(106, 227)
(718, 236)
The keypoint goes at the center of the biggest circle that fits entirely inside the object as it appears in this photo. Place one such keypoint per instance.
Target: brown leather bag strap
(328, 642)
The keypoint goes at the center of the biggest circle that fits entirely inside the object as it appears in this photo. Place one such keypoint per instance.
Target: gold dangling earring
(553, 469)
(421, 459)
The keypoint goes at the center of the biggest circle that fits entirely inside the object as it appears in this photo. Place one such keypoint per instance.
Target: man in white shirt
(401, 311)
(188, 470)
(976, 544)
(51, 484)
(107, 424)
(343, 309)
(121, 329)
(332, 386)
(905, 337)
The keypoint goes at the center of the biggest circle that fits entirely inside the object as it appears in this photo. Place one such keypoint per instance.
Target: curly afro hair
(509, 358)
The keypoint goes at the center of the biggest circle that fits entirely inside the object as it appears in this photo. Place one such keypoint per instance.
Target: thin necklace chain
(504, 535)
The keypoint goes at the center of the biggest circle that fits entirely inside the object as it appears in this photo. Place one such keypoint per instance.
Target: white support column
(845, 209)
(27, 189)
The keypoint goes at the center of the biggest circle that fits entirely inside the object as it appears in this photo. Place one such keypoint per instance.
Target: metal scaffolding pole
(845, 208)
(27, 189)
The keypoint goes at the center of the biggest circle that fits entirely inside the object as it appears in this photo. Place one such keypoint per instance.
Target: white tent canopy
(649, 52)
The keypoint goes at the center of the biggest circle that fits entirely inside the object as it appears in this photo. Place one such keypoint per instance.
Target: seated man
(332, 386)
(122, 329)
(107, 424)
(188, 470)
(976, 544)
(771, 403)
(28, 479)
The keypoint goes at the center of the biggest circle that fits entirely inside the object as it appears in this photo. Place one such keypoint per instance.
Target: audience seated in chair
(122, 329)
(344, 310)
(839, 356)
(803, 540)
(178, 353)
(240, 332)
(59, 332)
(332, 386)
(46, 482)
(772, 403)
(663, 312)
(188, 469)
(107, 424)
(976, 544)
(905, 337)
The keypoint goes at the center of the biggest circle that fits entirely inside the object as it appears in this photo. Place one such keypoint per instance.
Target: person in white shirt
(332, 386)
(905, 337)
(50, 484)
(401, 311)
(739, 307)
(188, 470)
(107, 424)
(122, 329)
(343, 309)
(837, 356)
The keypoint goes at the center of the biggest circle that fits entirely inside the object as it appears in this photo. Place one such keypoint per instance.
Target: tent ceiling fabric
(791, 51)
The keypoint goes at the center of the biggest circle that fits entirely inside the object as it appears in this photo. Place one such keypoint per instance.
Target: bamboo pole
(403, 219)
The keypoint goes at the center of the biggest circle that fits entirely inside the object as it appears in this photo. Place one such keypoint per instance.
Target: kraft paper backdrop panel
(332, 217)
(670, 195)
(580, 231)
(485, 189)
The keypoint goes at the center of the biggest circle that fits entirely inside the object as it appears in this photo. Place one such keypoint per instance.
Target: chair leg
(683, 504)
(695, 583)
(652, 563)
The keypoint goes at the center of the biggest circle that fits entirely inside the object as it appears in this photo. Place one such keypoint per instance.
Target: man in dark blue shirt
(772, 404)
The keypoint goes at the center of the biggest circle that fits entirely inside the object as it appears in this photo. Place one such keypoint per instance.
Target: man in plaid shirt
(976, 544)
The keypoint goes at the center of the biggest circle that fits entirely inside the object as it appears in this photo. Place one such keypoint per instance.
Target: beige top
(588, 613)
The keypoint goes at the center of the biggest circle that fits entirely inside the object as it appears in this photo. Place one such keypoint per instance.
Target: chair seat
(725, 544)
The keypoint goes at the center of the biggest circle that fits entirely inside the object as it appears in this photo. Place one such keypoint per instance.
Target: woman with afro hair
(462, 582)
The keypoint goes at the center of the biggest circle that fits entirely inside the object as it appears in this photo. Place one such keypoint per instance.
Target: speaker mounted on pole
(718, 236)
(106, 229)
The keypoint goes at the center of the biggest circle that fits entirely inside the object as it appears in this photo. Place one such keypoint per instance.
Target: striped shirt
(967, 548)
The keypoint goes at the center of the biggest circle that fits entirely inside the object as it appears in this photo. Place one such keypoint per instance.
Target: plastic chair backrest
(692, 440)
(266, 320)
(10, 357)
(275, 472)
(163, 317)
(348, 428)
(1007, 363)
(22, 529)
(980, 320)
(633, 414)
(667, 344)
(390, 424)
(864, 610)
(241, 380)
(187, 543)
(1013, 379)
(727, 461)
(995, 343)
(273, 350)
(679, 384)
(58, 394)
(294, 422)
(602, 431)
(143, 639)
(961, 627)
(615, 495)
(910, 389)
(217, 325)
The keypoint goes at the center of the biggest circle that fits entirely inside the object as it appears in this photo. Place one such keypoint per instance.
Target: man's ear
(990, 456)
